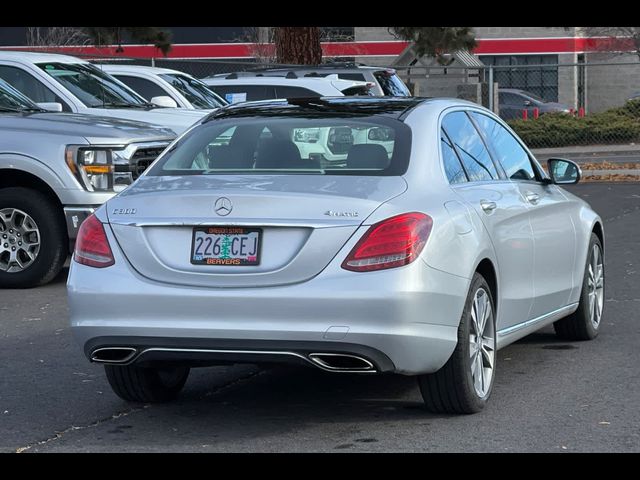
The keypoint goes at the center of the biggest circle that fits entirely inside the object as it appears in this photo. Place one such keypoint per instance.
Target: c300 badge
(124, 211)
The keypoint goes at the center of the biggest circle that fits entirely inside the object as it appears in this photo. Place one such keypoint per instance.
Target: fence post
(153, 61)
(491, 86)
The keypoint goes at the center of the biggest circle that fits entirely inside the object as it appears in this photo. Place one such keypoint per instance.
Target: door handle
(487, 206)
(532, 197)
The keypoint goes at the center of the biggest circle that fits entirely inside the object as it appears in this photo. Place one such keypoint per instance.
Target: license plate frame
(221, 261)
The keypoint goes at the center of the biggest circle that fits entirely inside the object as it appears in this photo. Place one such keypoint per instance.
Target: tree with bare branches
(56, 36)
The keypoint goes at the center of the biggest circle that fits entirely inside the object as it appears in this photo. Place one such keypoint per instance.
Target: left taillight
(393, 242)
(92, 246)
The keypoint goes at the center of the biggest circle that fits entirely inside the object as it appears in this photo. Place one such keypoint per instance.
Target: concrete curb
(628, 149)
(623, 171)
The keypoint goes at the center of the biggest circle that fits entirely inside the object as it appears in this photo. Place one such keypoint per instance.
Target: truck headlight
(99, 169)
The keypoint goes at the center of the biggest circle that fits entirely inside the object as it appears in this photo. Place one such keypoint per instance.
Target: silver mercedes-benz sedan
(361, 235)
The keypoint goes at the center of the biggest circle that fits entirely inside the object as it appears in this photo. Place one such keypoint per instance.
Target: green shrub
(617, 125)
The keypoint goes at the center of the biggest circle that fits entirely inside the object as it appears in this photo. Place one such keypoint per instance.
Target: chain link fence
(549, 104)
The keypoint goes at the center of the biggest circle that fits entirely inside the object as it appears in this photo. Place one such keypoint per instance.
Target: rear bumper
(402, 320)
(203, 352)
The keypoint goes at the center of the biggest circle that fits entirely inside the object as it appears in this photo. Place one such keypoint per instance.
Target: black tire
(54, 243)
(578, 325)
(451, 389)
(146, 384)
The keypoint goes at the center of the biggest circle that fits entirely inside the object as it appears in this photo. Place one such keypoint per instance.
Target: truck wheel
(33, 238)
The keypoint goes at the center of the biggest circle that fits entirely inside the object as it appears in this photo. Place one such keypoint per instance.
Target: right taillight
(394, 242)
(92, 247)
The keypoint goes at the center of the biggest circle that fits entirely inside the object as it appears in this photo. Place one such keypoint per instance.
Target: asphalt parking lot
(549, 396)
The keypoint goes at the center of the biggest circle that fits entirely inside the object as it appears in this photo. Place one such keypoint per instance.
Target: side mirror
(50, 106)
(563, 172)
(164, 101)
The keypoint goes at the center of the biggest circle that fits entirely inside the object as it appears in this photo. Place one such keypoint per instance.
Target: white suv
(173, 88)
(65, 83)
(236, 89)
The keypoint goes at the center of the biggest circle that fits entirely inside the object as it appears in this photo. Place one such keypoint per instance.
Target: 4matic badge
(333, 213)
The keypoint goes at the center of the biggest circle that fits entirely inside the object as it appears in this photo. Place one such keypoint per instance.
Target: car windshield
(12, 100)
(195, 91)
(391, 84)
(93, 87)
(293, 144)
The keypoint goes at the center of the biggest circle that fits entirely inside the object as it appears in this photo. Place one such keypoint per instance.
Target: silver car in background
(435, 241)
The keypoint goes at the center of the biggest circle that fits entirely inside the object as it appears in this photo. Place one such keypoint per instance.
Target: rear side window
(452, 165)
(365, 146)
(244, 93)
(470, 147)
(287, 91)
(144, 87)
(506, 149)
(30, 86)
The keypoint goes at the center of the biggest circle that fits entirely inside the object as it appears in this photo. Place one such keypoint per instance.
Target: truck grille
(143, 157)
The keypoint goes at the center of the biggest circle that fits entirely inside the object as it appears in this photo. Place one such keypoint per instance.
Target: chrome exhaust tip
(116, 355)
(341, 362)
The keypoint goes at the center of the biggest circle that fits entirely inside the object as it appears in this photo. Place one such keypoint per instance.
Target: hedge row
(618, 125)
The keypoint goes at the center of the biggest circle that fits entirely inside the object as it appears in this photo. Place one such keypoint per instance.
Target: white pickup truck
(69, 84)
(55, 170)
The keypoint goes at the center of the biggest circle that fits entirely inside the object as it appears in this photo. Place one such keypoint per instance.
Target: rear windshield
(295, 144)
(391, 84)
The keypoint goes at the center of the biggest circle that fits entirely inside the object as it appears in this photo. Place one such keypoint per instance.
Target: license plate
(226, 246)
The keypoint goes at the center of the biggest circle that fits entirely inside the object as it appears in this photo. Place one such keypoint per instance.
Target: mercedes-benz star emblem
(223, 206)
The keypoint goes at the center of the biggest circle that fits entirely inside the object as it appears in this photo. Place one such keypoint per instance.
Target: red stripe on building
(504, 46)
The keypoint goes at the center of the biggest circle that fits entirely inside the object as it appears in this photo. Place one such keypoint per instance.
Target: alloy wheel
(482, 342)
(595, 284)
(19, 240)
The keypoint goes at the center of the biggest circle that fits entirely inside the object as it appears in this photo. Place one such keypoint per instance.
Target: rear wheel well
(19, 178)
(487, 270)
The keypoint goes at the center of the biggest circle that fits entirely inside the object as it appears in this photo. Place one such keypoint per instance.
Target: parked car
(169, 88)
(55, 170)
(69, 84)
(512, 102)
(423, 260)
(236, 89)
(384, 81)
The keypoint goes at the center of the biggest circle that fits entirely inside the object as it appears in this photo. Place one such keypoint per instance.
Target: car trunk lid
(304, 221)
